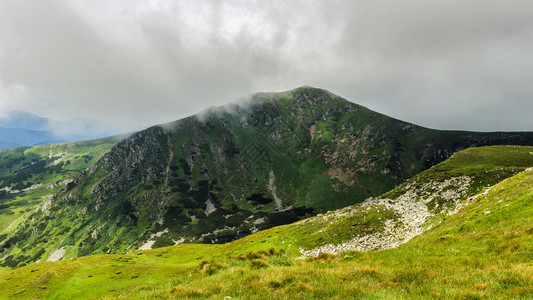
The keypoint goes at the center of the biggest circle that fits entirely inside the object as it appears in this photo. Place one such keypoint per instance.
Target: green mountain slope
(232, 171)
(481, 250)
(30, 176)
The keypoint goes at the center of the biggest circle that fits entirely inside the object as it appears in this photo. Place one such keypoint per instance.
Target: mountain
(231, 171)
(20, 137)
(7, 145)
(31, 175)
(476, 243)
(23, 119)
(19, 129)
(22, 129)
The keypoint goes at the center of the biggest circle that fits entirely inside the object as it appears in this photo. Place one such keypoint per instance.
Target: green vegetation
(237, 170)
(482, 251)
(29, 176)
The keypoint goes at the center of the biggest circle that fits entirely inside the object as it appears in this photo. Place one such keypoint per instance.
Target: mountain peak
(304, 96)
(267, 160)
(23, 120)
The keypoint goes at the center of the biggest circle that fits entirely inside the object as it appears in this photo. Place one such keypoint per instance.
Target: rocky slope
(419, 204)
(232, 171)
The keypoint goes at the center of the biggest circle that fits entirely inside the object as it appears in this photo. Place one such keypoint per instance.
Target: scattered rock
(57, 254)
(412, 210)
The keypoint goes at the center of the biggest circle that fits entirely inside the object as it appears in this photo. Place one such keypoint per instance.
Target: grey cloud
(449, 64)
(443, 64)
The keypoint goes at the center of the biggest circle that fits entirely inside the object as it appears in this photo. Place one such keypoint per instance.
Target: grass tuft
(187, 292)
(257, 264)
(326, 257)
(372, 272)
(208, 268)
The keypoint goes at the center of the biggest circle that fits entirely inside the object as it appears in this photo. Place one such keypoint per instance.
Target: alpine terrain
(270, 160)
(29, 176)
(460, 230)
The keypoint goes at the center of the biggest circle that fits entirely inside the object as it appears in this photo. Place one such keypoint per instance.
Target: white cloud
(448, 64)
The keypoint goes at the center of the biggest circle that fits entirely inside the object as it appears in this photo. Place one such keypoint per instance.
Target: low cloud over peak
(451, 65)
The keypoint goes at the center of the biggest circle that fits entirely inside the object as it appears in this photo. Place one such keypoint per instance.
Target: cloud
(446, 64)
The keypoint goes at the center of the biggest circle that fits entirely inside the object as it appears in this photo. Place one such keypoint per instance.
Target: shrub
(162, 241)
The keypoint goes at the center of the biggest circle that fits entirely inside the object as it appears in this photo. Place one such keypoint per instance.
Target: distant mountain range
(21, 129)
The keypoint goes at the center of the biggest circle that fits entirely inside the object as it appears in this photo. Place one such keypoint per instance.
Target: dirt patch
(346, 177)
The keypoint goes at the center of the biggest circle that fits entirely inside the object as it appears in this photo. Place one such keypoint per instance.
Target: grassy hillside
(481, 247)
(233, 171)
(29, 176)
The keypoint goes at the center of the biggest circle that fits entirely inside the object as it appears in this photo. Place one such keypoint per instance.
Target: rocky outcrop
(419, 204)
(411, 211)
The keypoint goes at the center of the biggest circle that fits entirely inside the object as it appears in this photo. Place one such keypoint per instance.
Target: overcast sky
(451, 64)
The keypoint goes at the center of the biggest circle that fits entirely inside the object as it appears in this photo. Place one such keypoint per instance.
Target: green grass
(485, 165)
(39, 172)
(483, 251)
(245, 160)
